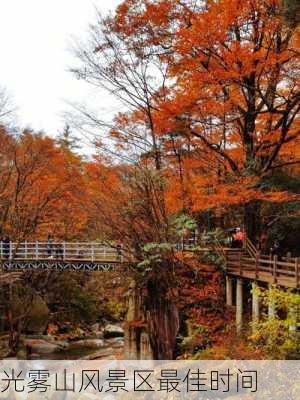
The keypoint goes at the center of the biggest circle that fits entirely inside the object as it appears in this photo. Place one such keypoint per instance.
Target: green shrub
(278, 336)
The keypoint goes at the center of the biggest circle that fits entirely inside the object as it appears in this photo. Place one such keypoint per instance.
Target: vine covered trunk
(162, 321)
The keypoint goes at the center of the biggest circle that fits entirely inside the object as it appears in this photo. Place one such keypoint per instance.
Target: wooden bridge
(245, 263)
(284, 272)
(71, 256)
(250, 264)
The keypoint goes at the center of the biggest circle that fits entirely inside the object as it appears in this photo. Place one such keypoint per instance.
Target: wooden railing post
(275, 259)
(64, 250)
(93, 252)
(240, 264)
(36, 250)
(245, 242)
(25, 249)
(257, 259)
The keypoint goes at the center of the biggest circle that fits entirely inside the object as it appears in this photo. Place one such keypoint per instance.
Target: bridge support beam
(271, 306)
(229, 291)
(239, 304)
(255, 303)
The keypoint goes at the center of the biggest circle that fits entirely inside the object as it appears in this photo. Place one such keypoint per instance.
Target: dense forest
(208, 140)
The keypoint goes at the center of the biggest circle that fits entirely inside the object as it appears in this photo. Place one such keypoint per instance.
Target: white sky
(35, 38)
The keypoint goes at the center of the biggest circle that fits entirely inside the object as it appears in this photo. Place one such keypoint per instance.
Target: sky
(35, 41)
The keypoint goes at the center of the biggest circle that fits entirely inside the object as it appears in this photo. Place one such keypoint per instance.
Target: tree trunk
(163, 322)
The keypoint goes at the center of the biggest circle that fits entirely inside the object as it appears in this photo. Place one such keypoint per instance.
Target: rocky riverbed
(98, 343)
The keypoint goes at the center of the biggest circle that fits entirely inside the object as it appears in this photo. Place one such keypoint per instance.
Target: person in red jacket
(239, 237)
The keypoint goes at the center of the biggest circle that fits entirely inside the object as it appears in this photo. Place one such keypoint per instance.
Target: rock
(116, 342)
(113, 331)
(41, 346)
(47, 338)
(87, 343)
(38, 316)
(95, 335)
(47, 348)
(62, 344)
(32, 342)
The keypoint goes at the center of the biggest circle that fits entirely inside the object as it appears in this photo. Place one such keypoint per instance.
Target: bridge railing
(69, 251)
(284, 271)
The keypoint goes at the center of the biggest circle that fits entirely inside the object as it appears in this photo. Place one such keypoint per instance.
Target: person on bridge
(6, 247)
(277, 249)
(49, 246)
(238, 238)
(119, 251)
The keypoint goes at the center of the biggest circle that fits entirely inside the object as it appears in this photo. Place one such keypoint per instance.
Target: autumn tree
(42, 191)
(7, 144)
(233, 94)
(136, 216)
(126, 203)
(40, 184)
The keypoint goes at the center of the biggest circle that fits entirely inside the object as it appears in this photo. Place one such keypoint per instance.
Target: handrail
(91, 251)
(270, 270)
(219, 249)
(250, 248)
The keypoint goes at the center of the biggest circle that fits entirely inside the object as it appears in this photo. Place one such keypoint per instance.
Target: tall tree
(41, 188)
(234, 88)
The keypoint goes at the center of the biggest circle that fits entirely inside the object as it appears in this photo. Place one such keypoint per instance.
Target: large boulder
(41, 346)
(113, 331)
(38, 316)
(87, 343)
(116, 342)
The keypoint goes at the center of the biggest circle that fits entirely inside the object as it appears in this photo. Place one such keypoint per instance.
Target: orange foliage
(42, 191)
(230, 115)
